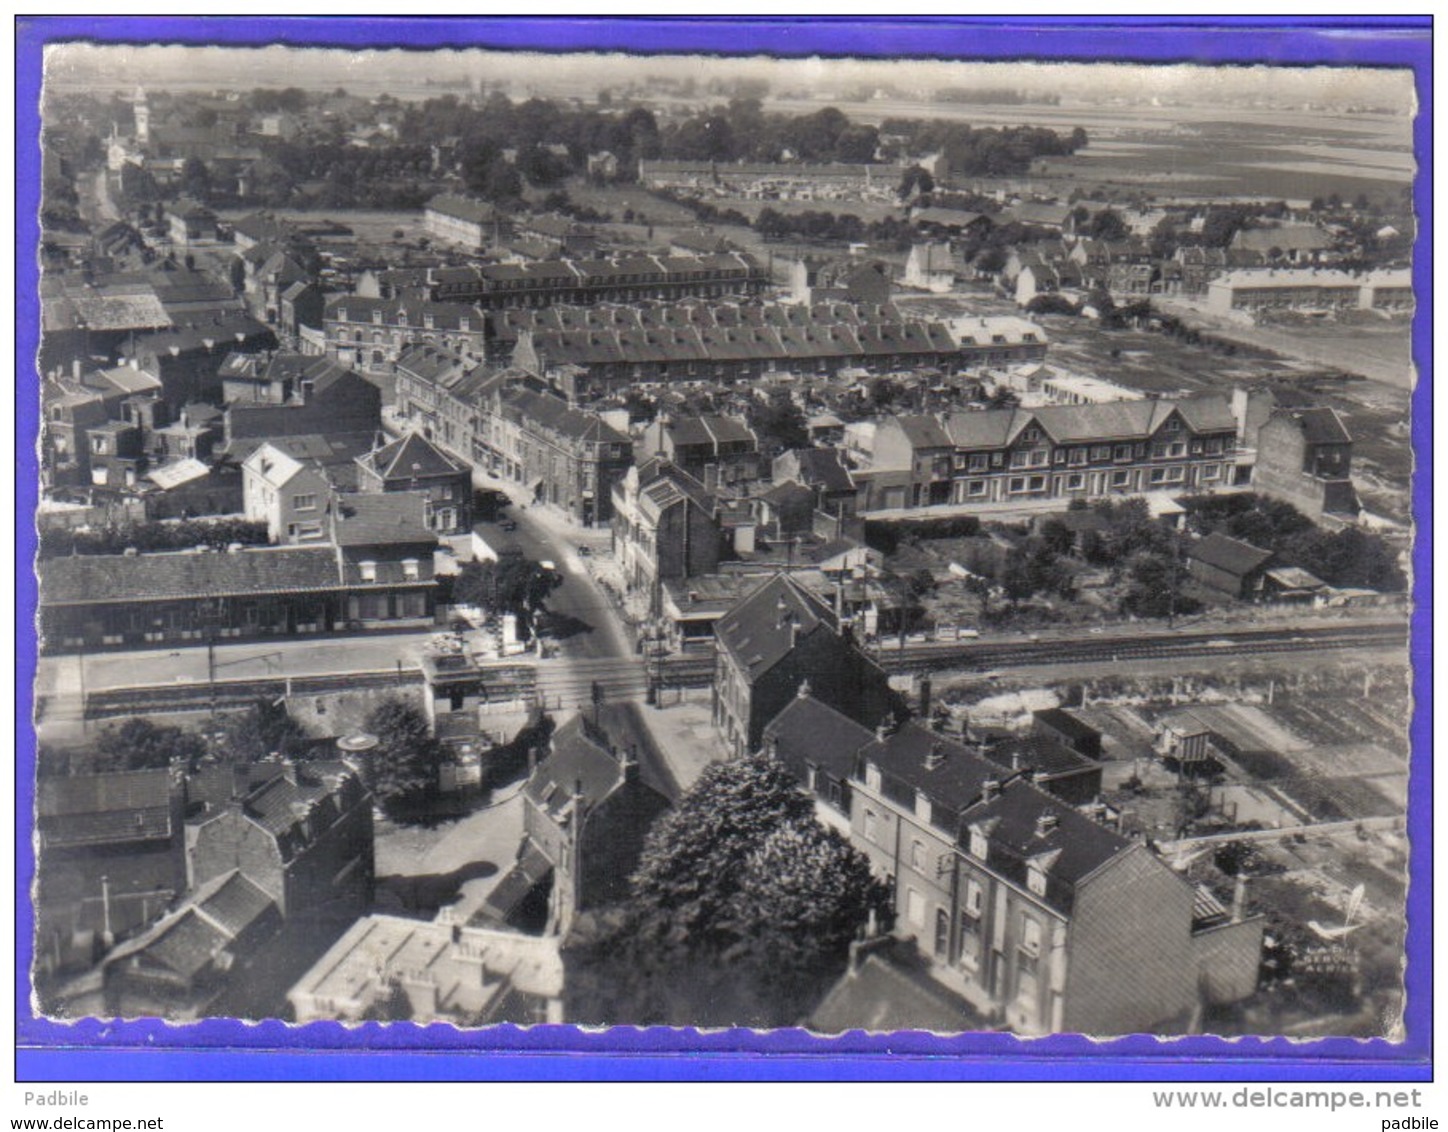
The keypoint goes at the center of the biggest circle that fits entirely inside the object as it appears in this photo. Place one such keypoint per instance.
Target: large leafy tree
(263, 729)
(403, 767)
(740, 871)
(742, 909)
(803, 895)
(139, 744)
(695, 856)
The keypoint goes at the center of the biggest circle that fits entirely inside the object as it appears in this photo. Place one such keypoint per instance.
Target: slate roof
(578, 757)
(1071, 846)
(234, 903)
(823, 467)
(410, 457)
(756, 630)
(220, 913)
(554, 414)
(126, 379)
(710, 430)
(977, 430)
(297, 808)
(178, 473)
(379, 520)
(1229, 554)
(415, 312)
(1101, 421)
(885, 996)
(86, 579)
(68, 303)
(464, 208)
(93, 808)
(809, 730)
(661, 469)
(1062, 721)
(923, 432)
(336, 452)
(263, 228)
(786, 493)
(1041, 753)
(431, 363)
(952, 785)
(207, 335)
(1030, 212)
(1319, 425)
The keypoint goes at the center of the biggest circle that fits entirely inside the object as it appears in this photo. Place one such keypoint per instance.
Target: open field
(1191, 151)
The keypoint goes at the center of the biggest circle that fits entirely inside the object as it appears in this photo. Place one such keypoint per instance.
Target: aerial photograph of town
(859, 545)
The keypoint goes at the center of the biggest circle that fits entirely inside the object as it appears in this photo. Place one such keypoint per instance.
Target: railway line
(571, 684)
(985, 656)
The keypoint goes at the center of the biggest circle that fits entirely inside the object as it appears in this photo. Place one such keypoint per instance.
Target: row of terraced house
(507, 423)
(1059, 452)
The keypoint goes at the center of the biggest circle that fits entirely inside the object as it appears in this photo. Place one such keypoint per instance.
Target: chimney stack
(803, 692)
(1046, 823)
(935, 757)
(1239, 897)
(989, 789)
(925, 689)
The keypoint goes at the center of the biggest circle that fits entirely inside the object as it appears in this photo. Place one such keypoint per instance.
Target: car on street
(507, 525)
(584, 550)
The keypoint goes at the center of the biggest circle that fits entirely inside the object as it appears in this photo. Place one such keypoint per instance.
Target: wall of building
(1131, 957)
(1229, 958)
(613, 837)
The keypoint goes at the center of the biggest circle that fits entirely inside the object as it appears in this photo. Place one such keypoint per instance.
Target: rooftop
(760, 630)
(1229, 554)
(86, 579)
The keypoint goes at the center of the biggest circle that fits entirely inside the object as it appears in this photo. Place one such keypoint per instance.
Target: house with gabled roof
(931, 267)
(1042, 919)
(415, 464)
(717, 450)
(587, 810)
(271, 395)
(665, 527)
(1086, 451)
(1304, 457)
(182, 966)
(1229, 566)
(777, 636)
(111, 857)
(288, 494)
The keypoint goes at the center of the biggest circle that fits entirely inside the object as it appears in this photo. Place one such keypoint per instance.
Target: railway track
(988, 655)
(571, 684)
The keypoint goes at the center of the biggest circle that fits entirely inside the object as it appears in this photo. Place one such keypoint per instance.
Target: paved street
(592, 627)
(455, 864)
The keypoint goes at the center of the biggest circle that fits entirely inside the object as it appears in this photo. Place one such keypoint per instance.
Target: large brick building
(665, 527)
(778, 636)
(1043, 920)
(1304, 457)
(1055, 452)
(739, 343)
(369, 335)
